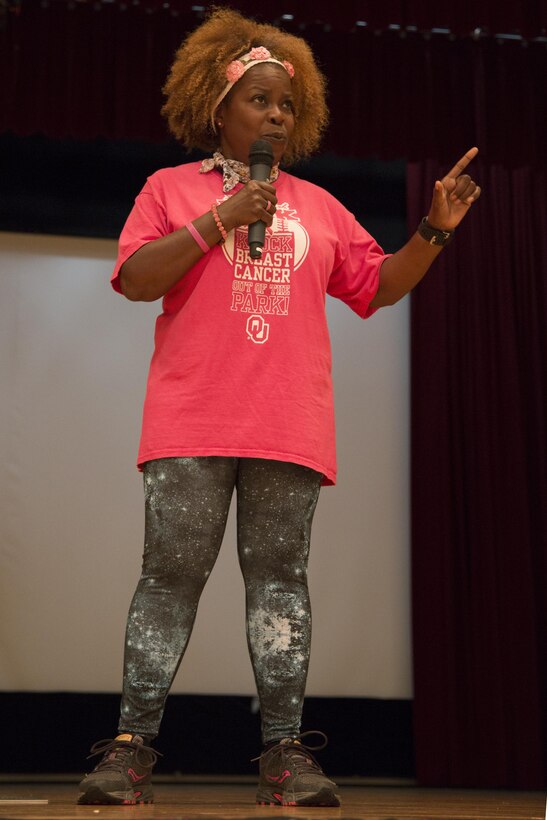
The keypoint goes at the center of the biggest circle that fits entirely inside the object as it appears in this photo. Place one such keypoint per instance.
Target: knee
(174, 571)
(273, 569)
(285, 559)
(278, 594)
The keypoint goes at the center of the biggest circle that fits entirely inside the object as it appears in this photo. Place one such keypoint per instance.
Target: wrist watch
(434, 235)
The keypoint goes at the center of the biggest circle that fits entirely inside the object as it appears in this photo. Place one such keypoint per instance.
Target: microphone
(260, 164)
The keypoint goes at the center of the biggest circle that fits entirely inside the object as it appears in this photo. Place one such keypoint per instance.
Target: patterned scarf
(232, 170)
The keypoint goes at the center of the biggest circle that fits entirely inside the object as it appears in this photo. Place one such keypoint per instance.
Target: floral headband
(237, 68)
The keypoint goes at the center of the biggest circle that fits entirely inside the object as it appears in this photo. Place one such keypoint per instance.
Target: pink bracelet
(220, 226)
(195, 234)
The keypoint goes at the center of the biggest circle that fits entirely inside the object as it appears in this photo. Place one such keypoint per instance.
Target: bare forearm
(402, 271)
(452, 198)
(161, 263)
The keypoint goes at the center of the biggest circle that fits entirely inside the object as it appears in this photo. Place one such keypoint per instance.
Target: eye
(289, 105)
(260, 98)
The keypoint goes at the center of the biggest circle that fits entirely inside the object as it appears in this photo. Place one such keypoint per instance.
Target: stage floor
(236, 802)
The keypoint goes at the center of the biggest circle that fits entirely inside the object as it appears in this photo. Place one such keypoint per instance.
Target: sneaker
(290, 775)
(123, 775)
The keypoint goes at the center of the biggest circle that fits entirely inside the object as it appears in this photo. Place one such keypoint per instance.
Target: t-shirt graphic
(262, 287)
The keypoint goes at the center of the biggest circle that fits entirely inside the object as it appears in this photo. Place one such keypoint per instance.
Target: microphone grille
(261, 153)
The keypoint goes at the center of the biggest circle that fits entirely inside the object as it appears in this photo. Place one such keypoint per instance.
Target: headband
(237, 68)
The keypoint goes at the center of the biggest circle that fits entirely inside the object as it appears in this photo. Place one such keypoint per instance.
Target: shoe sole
(97, 797)
(325, 797)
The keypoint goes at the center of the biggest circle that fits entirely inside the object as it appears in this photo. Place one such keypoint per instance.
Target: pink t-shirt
(242, 359)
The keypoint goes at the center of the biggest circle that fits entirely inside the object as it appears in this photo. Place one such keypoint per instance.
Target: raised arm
(452, 198)
(152, 270)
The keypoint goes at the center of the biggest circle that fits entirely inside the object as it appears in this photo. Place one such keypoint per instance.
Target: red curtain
(87, 69)
(479, 488)
(479, 424)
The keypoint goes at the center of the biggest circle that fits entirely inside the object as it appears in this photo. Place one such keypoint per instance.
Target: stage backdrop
(73, 364)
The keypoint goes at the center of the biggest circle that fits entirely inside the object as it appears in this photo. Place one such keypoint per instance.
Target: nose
(276, 115)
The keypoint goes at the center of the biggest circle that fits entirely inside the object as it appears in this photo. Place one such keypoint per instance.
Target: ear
(218, 116)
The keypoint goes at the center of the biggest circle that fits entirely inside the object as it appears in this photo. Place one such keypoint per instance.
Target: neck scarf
(232, 170)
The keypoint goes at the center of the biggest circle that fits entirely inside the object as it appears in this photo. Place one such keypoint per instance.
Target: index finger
(262, 183)
(463, 163)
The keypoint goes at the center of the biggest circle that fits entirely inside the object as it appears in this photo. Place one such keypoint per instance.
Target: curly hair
(198, 76)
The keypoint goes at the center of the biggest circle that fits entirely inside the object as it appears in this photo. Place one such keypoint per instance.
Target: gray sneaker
(290, 775)
(122, 776)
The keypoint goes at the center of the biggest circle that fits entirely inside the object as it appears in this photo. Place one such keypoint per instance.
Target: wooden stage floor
(183, 801)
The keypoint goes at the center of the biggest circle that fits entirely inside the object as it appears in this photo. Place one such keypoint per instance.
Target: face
(259, 106)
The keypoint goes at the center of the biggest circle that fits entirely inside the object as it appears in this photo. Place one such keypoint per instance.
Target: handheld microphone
(260, 164)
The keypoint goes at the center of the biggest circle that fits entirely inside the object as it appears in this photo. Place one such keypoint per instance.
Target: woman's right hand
(255, 201)
(161, 263)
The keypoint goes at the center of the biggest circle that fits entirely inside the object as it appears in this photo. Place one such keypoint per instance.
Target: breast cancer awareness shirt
(242, 358)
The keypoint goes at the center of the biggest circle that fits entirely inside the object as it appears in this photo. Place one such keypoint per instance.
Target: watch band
(434, 235)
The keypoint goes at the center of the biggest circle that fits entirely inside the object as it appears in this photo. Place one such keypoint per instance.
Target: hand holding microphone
(254, 204)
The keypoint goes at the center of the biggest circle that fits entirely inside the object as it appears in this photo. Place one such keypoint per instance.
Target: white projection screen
(73, 364)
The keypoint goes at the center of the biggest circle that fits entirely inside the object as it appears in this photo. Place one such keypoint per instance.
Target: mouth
(275, 137)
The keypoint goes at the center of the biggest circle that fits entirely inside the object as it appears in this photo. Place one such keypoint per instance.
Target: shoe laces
(300, 753)
(117, 753)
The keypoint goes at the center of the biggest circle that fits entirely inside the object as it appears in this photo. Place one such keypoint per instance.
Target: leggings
(186, 507)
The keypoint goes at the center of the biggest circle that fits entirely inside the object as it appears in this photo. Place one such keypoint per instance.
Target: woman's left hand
(453, 195)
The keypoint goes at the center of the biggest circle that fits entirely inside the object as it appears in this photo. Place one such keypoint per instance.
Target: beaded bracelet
(195, 234)
(220, 226)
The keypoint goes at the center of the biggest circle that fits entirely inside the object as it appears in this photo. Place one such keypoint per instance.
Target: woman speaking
(239, 392)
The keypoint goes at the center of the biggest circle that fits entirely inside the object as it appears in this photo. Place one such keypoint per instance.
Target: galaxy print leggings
(187, 502)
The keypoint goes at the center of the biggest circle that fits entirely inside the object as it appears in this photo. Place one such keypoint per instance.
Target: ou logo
(257, 329)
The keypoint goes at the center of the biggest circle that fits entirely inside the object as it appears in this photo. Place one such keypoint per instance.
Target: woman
(239, 392)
